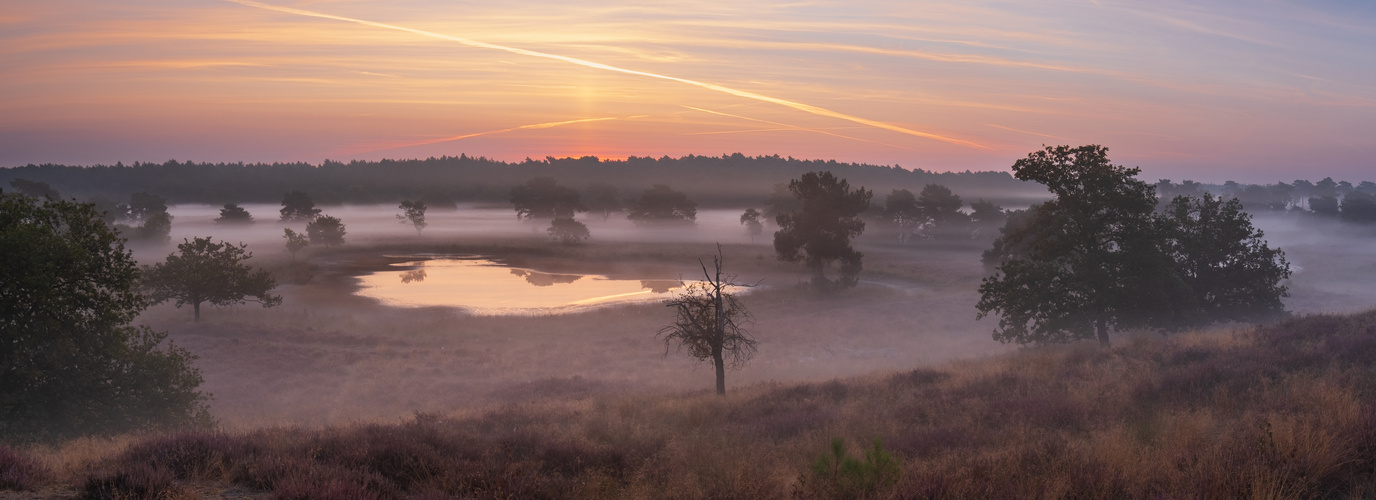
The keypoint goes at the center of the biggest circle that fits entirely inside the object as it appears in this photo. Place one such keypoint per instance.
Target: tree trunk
(197, 307)
(1102, 330)
(721, 371)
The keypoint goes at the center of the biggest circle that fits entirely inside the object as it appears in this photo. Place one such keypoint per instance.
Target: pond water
(486, 287)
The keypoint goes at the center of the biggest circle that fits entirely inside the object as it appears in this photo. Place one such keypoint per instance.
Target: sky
(1258, 91)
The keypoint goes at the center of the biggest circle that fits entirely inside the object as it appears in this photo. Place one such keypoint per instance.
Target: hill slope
(1279, 411)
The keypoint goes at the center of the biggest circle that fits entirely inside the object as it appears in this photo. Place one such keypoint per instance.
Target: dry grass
(1282, 411)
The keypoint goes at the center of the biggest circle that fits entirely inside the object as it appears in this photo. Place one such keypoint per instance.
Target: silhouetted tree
(326, 230)
(780, 201)
(295, 241)
(232, 213)
(70, 362)
(1324, 205)
(542, 198)
(1326, 187)
(819, 233)
(1232, 274)
(710, 322)
(203, 272)
(1358, 206)
(298, 207)
(901, 210)
(1084, 263)
(987, 217)
(941, 208)
(412, 212)
(568, 231)
(602, 200)
(142, 205)
(40, 190)
(751, 219)
(662, 204)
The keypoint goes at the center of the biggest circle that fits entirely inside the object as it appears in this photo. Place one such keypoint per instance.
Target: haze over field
(1210, 91)
(695, 249)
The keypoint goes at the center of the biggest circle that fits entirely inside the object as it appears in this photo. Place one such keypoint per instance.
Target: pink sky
(1210, 91)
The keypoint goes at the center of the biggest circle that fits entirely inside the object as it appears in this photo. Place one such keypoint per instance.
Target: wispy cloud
(486, 132)
(795, 127)
(807, 108)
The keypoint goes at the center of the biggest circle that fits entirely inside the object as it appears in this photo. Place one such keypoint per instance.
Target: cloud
(807, 108)
(489, 132)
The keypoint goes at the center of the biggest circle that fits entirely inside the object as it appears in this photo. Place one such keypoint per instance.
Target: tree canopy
(602, 200)
(902, 212)
(662, 204)
(941, 209)
(413, 213)
(70, 362)
(232, 213)
(1232, 274)
(326, 230)
(207, 272)
(298, 207)
(753, 221)
(819, 233)
(568, 231)
(1097, 257)
(542, 198)
(295, 241)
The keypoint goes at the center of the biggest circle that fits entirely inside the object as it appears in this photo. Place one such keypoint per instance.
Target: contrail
(490, 132)
(794, 127)
(807, 108)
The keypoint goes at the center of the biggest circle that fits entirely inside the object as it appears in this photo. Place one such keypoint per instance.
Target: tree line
(1339, 200)
(728, 180)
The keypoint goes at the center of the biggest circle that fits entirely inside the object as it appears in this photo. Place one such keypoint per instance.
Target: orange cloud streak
(807, 108)
(795, 127)
(490, 132)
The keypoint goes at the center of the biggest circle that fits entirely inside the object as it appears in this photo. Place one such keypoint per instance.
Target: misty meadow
(826, 340)
(424, 249)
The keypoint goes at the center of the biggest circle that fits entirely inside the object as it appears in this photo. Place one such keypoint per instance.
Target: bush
(835, 475)
(19, 471)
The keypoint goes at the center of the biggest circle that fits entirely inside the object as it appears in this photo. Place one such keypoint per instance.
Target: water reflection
(414, 275)
(545, 279)
(486, 287)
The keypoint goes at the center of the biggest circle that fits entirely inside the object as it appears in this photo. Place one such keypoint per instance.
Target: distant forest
(731, 180)
(711, 181)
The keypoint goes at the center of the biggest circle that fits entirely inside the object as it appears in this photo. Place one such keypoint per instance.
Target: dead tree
(710, 322)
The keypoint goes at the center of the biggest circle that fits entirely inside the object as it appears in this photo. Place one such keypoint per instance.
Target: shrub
(835, 475)
(19, 471)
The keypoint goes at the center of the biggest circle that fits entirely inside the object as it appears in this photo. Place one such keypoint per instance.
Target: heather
(1277, 411)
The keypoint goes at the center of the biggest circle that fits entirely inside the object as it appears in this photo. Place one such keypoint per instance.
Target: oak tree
(232, 213)
(207, 272)
(71, 363)
(326, 230)
(298, 207)
(819, 232)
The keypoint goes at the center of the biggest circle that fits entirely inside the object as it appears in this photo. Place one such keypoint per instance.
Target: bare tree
(711, 322)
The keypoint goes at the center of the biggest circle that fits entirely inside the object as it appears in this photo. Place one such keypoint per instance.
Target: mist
(329, 355)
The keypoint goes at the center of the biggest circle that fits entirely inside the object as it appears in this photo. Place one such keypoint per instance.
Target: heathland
(335, 395)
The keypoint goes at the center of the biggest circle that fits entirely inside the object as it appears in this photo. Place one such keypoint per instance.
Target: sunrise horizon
(1208, 92)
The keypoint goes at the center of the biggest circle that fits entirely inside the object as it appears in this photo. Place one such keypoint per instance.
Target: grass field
(336, 396)
(1281, 411)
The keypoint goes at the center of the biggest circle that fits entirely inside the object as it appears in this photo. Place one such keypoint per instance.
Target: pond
(485, 287)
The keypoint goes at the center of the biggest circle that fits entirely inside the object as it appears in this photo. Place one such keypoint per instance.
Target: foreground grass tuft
(1280, 411)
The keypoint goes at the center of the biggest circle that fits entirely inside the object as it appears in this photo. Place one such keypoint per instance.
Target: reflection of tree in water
(545, 279)
(659, 286)
(413, 275)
